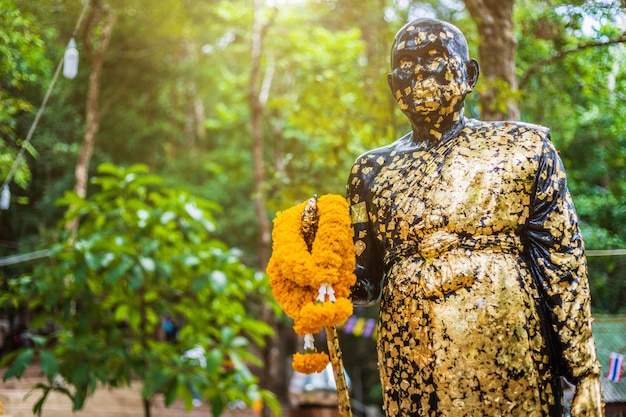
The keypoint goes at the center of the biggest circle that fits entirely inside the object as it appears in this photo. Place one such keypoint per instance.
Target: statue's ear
(473, 69)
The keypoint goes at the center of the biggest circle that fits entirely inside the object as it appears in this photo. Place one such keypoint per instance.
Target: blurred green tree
(142, 252)
(22, 67)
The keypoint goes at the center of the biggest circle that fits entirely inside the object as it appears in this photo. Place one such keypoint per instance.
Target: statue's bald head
(431, 72)
(432, 34)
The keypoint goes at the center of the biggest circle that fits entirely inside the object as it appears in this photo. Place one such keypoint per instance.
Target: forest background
(254, 106)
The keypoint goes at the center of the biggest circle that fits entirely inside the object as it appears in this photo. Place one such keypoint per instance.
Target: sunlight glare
(278, 3)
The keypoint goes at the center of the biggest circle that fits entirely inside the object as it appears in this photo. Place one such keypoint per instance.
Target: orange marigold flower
(309, 363)
(314, 316)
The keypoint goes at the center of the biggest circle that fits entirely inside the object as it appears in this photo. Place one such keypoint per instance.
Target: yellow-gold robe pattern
(473, 244)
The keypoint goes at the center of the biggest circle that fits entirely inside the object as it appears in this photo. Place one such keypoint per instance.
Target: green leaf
(79, 401)
(193, 211)
(143, 216)
(147, 264)
(214, 360)
(241, 367)
(227, 336)
(191, 260)
(199, 283)
(152, 318)
(49, 363)
(80, 272)
(270, 400)
(171, 392)
(119, 270)
(109, 169)
(38, 340)
(121, 312)
(219, 281)
(167, 217)
(92, 260)
(136, 278)
(240, 341)
(79, 374)
(217, 405)
(20, 364)
(38, 406)
(149, 388)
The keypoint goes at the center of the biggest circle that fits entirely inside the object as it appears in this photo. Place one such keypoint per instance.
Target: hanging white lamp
(70, 60)
(5, 197)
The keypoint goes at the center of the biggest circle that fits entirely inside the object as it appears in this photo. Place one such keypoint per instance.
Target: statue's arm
(555, 253)
(369, 263)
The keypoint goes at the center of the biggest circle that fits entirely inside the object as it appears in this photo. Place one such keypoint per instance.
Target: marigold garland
(313, 287)
(308, 363)
(331, 259)
(315, 316)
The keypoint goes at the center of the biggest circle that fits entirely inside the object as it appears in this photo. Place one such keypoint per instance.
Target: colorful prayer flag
(358, 327)
(349, 324)
(369, 327)
(615, 367)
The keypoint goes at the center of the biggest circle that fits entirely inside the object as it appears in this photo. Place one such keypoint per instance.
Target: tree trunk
(272, 375)
(494, 21)
(256, 130)
(93, 114)
(146, 408)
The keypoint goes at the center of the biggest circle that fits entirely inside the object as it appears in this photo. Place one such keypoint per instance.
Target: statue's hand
(587, 401)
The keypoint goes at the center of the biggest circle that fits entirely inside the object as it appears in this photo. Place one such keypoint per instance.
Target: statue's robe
(475, 245)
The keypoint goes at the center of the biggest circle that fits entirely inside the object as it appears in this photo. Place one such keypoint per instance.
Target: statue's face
(429, 76)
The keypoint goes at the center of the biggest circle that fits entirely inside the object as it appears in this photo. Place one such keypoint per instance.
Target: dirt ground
(125, 402)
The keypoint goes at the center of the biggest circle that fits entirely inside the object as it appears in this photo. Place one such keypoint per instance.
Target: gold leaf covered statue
(466, 231)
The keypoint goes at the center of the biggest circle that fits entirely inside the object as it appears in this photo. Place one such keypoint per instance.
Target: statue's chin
(432, 110)
(423, 115)
(425, 106)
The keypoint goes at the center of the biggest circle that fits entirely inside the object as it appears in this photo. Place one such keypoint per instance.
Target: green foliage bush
(142, 252)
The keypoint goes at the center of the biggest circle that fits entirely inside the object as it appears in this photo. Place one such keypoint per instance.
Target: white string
(607, 252)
